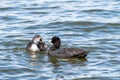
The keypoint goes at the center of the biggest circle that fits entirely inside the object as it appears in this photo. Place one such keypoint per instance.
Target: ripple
(6, 8)
(74, 23)
(113, 24)
(45, 7)
(94, 10)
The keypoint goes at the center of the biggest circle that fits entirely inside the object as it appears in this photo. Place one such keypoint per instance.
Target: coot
(65, 53)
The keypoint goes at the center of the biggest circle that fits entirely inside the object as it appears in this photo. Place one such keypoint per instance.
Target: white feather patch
(34, 47)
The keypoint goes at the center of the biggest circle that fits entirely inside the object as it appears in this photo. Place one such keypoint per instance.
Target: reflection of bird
(36, 44)
(56, 51)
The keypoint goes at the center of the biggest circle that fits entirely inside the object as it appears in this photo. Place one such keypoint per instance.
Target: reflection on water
(91, 25)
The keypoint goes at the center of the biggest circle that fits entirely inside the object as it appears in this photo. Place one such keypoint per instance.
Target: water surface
(93, 25)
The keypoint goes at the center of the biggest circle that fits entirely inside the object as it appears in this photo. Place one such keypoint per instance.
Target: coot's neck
(56, 45)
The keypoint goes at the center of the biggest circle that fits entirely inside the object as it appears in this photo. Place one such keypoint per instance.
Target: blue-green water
(93, 25)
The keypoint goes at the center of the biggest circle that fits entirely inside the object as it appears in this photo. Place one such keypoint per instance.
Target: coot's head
(56, 41)
(36, 39)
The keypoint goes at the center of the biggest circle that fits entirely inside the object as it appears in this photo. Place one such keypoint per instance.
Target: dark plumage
(36, 44)
(65, 53)
(42, 46)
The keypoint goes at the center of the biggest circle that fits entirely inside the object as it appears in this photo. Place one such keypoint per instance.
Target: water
(93, 25)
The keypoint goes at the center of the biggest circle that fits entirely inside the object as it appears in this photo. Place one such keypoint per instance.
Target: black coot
(65, 53)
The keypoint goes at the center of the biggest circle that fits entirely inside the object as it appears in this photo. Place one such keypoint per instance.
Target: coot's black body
(65, 53)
